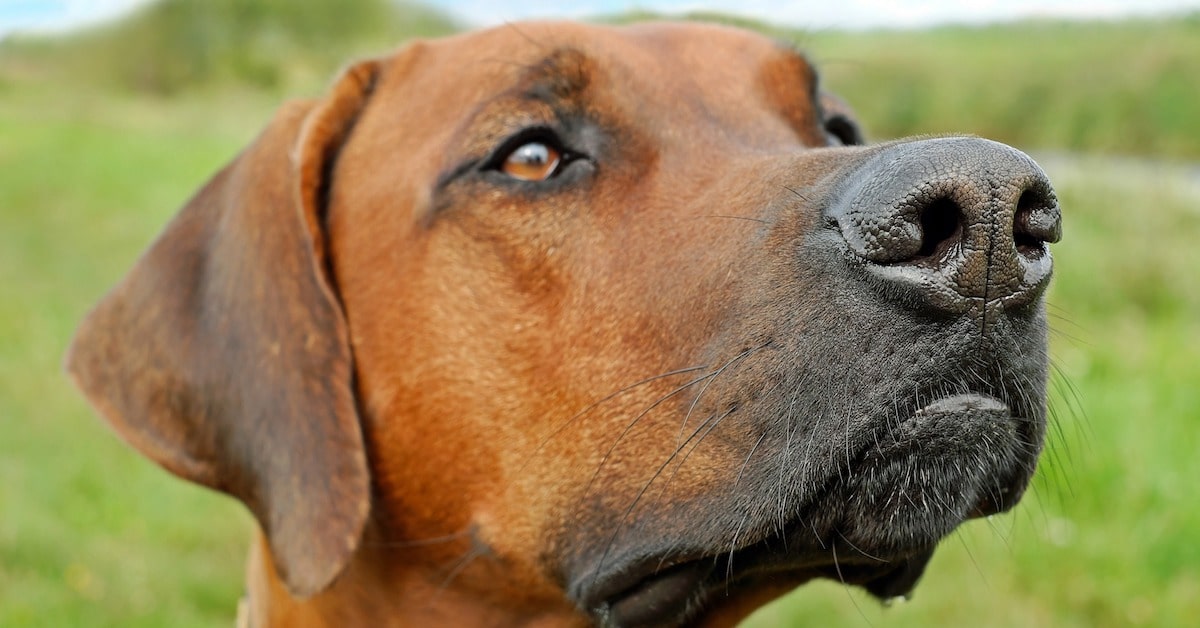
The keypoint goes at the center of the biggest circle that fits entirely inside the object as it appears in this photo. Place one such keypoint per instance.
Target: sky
(57, 15)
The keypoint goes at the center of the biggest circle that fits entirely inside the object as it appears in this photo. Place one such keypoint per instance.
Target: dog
(557, 324)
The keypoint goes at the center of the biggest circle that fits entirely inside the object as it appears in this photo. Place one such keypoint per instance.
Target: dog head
(564, 321)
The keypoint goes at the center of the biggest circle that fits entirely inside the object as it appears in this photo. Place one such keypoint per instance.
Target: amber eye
(533, 161)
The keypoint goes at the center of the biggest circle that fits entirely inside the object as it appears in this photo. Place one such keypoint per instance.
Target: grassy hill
(176, 45)
(1116, 87)
(1127, 87)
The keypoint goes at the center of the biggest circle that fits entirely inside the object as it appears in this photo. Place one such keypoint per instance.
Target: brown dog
(555, 324)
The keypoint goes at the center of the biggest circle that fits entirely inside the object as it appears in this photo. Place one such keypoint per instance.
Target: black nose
(960, 223)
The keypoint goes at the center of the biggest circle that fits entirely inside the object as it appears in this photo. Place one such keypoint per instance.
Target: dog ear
(224, 356)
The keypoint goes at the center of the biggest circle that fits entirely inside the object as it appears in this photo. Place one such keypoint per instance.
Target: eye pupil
(532, 154)
(533, 161)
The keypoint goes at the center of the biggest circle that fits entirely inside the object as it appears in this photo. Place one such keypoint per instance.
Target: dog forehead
(681, 60)
(692, 45)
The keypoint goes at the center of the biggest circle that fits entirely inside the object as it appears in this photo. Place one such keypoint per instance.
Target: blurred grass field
(94, 158)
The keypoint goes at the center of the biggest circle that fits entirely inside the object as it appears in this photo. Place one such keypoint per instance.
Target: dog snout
(961, 225)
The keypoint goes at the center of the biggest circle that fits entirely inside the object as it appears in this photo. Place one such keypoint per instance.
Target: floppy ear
(223, 355)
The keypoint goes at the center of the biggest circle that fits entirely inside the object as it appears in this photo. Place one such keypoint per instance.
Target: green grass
(1122, 88)
(174, 46)
(1126, 88)
(92, 534)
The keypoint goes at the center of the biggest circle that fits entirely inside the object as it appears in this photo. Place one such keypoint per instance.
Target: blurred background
(108, 126)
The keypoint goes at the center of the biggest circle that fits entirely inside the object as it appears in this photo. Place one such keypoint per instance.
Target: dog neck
(387, 592)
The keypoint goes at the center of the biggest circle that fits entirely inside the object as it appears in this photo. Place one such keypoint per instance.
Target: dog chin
(957, 458)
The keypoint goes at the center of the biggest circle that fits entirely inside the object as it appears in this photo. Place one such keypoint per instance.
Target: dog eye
(532, 161)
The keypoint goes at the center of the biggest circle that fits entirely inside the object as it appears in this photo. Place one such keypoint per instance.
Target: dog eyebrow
(563, 75)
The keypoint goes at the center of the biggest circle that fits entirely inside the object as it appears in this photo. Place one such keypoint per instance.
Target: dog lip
(659, 596)
(684, 591)
(948, 418)
(966, 447)
(966, 402)
(899, 581)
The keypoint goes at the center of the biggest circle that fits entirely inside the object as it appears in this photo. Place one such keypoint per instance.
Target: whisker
(704, 388)
(747, 218)
(526, 36)
(849, 594)
(737, 480)
(962, 539)
(1073, 339)
(712, 424)
(732, 549)
(606, 398)
(459, 565)
(657, 473)
(635, 421)
(426, 542)
(798, 194)
(860, 550)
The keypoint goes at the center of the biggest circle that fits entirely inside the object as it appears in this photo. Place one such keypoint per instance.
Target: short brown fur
(442, 395)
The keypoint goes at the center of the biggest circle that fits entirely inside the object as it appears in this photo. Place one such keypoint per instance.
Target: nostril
(960, 225)
(1036, 221)
(941, 226)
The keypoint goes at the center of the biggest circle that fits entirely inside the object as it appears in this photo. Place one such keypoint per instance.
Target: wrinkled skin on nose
(957, 225)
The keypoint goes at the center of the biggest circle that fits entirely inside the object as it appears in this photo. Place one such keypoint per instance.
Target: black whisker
(426, 542)
(747, 218)
(657, 473)
(861, 551)
(637, 419)
(608, 397)
(797, 194)
(460, 565)
(714, 375)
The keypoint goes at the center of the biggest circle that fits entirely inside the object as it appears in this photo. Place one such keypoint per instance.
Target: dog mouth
(954, 459)
(683, 593)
